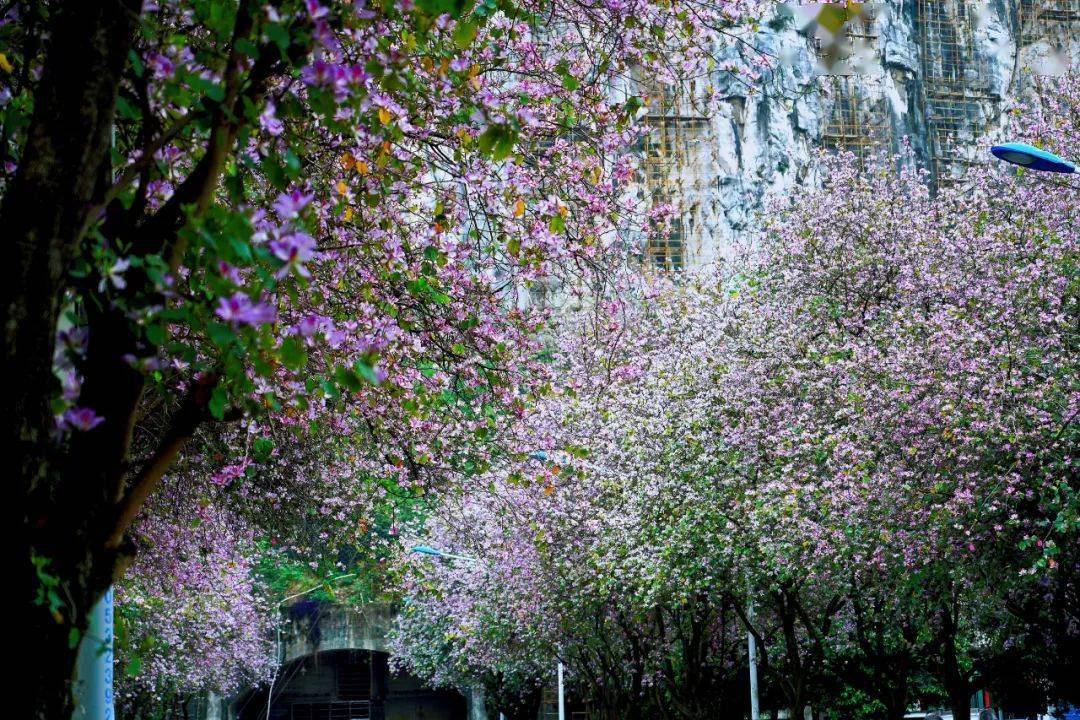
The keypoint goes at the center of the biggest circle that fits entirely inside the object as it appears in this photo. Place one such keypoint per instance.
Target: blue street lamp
(1032, 158)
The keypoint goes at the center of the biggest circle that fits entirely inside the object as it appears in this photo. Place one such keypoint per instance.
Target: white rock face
(937, 72)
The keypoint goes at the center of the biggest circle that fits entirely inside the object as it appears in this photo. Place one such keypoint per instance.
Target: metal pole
(751, 648)
(94, 668)
(562, 696)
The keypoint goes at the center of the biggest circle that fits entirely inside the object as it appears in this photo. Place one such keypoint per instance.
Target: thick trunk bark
(957, 683)
(43, 213)
(44, 209)
(960, 703)
(70, 516)
(45, 670)
(896, 705)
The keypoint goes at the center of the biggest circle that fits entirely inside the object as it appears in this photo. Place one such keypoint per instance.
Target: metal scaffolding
(675, 129)
(956, 84)
(856, 40)
(1053, 22)
(858, 121)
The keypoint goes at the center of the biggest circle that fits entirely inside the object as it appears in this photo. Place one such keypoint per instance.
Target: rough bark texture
(42, 214)
(75, 500)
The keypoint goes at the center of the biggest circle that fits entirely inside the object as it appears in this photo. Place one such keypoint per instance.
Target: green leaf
(347, 378)
(220, 334)
(133, 667)
(136, 63)
(453, 8)
(155, 334)
(464, 34)
(213, 91)
(279, 35)
(248, 48)
(367, 372)
(293, 354)
(126, 110)
(498, 142)
(218, 399)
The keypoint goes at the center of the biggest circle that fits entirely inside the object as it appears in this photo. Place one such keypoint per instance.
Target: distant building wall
(335, 666)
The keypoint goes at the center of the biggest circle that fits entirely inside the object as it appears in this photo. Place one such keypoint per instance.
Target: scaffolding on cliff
(676, 129)
(1056, 24)
(956, 85)
(857, 119)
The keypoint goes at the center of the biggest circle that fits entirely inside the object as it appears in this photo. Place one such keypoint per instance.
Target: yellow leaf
(5, 64)
(348, 214)
(519, 208)
(362, 167)
(348, 161)
(384, 116)
(342, 188)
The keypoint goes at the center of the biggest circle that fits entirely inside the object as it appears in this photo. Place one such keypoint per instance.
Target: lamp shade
(1032, 157)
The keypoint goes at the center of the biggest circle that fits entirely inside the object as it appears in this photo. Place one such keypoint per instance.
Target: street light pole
(94, 667)
(751, 651)
(562, 697)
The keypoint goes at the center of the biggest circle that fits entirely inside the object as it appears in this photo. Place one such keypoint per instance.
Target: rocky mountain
(861, 77)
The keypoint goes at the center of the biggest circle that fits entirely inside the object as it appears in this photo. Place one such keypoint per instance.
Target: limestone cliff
(938, 73)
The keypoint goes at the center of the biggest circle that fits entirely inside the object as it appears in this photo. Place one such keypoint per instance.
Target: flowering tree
(191, 616)
(320, 215)
(863, 429)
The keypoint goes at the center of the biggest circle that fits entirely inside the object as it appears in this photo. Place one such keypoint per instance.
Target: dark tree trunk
(45, 207)
(75, 502)
(896, 703)
(960, 705)
(43, 214)
(957, 684)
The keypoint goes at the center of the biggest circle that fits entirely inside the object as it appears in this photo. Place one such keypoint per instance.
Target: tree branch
(184, 423)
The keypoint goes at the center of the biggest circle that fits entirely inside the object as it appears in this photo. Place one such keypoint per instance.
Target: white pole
(562, 696)
(751, 648)
(94, 674)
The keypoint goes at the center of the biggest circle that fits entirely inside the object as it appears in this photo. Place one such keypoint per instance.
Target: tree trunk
(44, 672)
(43, 214)
(957, 684)
(896, 704)
(960, 703)
(43, 211)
